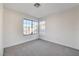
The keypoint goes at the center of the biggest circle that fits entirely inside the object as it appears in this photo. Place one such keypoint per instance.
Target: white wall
(1, 29)
(13, 29)
(63, 28)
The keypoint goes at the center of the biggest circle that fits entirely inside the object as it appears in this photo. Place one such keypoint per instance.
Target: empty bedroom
(39, 29)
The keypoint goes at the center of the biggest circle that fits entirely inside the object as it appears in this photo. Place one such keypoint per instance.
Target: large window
(30, 27)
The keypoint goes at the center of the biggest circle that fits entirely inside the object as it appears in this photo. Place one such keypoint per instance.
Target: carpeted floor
(40, 48)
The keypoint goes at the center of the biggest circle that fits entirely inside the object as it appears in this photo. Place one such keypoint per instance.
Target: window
(42, 26)
(30, 27)
(35, 27)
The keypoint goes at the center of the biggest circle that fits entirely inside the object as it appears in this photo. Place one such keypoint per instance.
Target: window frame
(44, 29)
(31, 27)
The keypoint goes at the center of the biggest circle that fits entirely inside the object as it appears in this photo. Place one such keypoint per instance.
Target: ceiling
(44, 9)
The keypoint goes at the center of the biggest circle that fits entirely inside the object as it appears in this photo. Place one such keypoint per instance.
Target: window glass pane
(30, 27)
(35, 27)
(28, 23)
(24, 27)
(42, 26)
(27, 27)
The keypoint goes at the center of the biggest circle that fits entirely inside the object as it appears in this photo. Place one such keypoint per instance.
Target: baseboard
(21, 43)
(61, 44)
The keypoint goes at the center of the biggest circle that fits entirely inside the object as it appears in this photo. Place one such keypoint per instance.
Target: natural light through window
(30, 27)
(42, 26)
